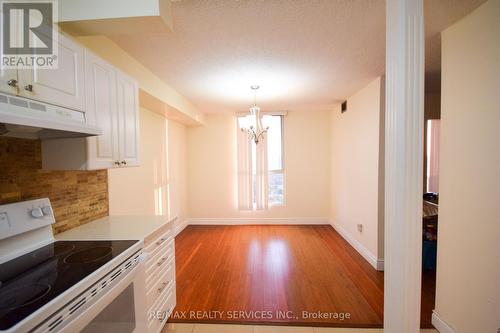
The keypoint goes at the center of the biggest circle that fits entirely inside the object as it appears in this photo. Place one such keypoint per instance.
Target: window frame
(282, 170)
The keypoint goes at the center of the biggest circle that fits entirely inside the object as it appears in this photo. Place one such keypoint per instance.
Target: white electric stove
(66, 286)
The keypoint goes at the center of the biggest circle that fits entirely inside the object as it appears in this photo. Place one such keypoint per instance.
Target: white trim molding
(404, 119)
(378, 264)
(259, 221)
(440, 324)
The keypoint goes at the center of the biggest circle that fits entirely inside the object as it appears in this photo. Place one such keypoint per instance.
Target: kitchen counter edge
(116, 227)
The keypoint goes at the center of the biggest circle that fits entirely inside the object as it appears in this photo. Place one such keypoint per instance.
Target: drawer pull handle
(162, 260)
(161, 241)
(163, 286)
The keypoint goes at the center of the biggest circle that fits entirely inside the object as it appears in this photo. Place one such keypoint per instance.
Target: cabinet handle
(29, 88)
(160, 241)
(163, 286)
(12, 83)
(123, 162)
(116, 163)
(161, 261)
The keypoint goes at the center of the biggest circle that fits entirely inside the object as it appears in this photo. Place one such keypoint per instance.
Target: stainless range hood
(24, 118)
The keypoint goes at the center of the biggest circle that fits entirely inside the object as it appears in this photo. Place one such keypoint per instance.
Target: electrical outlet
(360, 227)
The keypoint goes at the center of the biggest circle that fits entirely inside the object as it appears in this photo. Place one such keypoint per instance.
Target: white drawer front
(163, 240)
(161, 309)
(160, 279)
(162, 256)
(162, 284)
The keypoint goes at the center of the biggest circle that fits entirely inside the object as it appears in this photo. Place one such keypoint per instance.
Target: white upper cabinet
(112, 104)
(85, 83)
(128, 120)
(100, 83)
(9, 81)
(63, 86)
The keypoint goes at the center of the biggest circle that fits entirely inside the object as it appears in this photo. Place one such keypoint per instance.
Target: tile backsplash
(77, 197)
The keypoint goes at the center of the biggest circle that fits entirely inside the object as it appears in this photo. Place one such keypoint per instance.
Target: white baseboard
(378, 264)
(440, 324)
(259, 221)
(179, 227)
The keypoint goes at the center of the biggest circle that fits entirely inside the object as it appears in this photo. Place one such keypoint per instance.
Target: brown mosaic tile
(77, 197)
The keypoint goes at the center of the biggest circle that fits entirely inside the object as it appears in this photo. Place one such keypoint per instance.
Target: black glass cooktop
(29, 282)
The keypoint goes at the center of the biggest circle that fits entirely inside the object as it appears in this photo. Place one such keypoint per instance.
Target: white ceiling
(305, 54)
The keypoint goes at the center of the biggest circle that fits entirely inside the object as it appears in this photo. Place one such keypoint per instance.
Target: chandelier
(255, 131)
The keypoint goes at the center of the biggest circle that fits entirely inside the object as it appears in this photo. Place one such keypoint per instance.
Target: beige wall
(177, 175)
(142, 190)
(212, 168)
(357, 169)
(158, 185)
(468, 270)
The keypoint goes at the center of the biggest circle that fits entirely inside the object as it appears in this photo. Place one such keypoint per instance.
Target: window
(274, 140)
(275, 158)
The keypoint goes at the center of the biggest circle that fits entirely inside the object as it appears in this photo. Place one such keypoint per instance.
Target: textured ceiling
(303, 53)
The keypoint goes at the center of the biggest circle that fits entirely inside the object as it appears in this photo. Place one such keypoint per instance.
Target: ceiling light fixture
(255, 131)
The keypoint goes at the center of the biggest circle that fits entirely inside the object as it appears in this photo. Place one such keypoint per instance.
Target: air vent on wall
(38, 106)
(344, 107)
(18, 102)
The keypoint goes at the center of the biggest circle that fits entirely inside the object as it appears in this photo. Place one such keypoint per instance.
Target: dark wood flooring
(272, 274)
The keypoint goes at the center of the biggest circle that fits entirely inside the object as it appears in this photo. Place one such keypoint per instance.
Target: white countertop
(117, 227)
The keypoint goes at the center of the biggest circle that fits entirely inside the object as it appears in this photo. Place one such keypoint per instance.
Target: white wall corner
(404, 120)
(440, 324)
(372, 259)
(259, 221)
(181, 226)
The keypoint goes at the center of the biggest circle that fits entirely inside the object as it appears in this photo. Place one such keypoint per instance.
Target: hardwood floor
(427, 298)
(284, 275)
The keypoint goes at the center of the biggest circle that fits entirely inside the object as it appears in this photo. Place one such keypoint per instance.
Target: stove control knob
(37, 212)
(47, 210)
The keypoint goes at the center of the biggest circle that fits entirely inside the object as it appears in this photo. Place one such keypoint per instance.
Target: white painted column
(404, 118)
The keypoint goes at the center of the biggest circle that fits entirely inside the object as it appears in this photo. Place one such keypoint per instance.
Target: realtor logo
(28, 35)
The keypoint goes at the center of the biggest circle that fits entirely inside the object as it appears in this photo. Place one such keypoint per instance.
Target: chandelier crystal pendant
(257, 131)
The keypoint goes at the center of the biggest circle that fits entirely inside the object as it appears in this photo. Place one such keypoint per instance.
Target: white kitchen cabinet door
(63, 86)
(100, 85)
(8, 74)
(128, 119)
